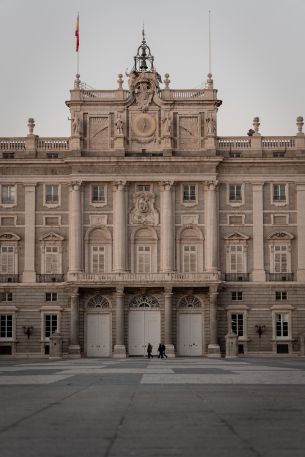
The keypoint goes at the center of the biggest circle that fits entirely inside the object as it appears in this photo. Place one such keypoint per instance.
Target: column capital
(166, 185)
(119, 292)
(212, 184)
(75, 185)
(300, 186)
(168, 291)
(30, 187)
(119, 185)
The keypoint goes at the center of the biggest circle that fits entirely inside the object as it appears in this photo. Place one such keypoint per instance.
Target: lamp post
(28, 330)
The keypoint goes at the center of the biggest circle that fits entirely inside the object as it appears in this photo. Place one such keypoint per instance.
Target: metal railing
(234, 277)
(50, 278)
(280, 277)
(5, 278)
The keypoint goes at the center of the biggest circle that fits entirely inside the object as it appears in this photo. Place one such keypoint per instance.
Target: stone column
(211, 228)
(29, 273)
(119, 227)
(119, 347)
(301, 232)
(167, 263)
(213, 347)
(168, 323)
(75, 230)
(258, 273)
(74, 348)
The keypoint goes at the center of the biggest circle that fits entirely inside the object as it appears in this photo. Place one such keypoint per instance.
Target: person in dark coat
(160, 356)
(149, 351)
(163, 348)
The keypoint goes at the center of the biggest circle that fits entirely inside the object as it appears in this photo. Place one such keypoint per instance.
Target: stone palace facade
(146, 226)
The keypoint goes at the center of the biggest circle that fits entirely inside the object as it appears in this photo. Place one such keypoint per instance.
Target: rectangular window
(98, 259)
(52, 193)
(281, 321)
(144, 259)
(281, 295)
(189, 259)
(279, 192)
(98, 194)
(51, 260)
(237, 295)
(6, 326)
(52, 220)
(7, 260)
(236, 259)
(51, 296)
(50, 325)
(280, 259)
(237, 324)
(189, 193)
(235, 194)
(143, 188)
(8, 194)
(6, 296)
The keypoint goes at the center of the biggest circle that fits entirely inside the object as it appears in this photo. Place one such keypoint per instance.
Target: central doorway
(144, 325)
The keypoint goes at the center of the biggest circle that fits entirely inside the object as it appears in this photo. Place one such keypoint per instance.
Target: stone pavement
(135, 407)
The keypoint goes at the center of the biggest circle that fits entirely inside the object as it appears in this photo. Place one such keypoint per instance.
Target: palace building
(146, 226)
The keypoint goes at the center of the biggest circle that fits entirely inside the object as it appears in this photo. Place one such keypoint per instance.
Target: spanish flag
(77, 33)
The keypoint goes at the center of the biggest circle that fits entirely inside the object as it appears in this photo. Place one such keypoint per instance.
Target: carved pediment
(8, 236)
(144, 211)
(236, 236)
(280, 235)
(51, 236)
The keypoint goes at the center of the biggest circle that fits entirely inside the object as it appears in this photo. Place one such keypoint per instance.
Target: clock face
(144, 125)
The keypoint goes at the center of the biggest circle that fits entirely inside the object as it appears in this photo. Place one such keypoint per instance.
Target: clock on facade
(144, 125)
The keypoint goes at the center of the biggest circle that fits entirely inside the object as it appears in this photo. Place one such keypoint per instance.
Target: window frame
(6, 297)
(51, 204)
(279, 202)
(9, 204)
(189, 203)
(97, 246)
(195, 250)
(98, 204)
(51, 297)
(238, 294)
(281, 295)
(148, 248)
(236, 203)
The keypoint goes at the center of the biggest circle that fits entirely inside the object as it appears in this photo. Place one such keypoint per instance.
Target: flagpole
(210, 45)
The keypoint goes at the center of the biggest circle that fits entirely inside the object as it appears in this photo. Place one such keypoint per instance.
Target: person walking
(149, 351)
(160, 356)
(163, 350)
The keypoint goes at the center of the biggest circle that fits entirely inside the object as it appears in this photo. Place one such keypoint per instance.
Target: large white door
(144, 327)
(190, 334)
(98, 335)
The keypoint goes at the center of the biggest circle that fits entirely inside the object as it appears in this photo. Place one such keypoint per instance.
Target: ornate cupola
(144, 60)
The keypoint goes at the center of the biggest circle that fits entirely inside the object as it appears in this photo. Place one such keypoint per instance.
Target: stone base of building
(170, 351)
(74, 351)
(119, 351)
(214, 351)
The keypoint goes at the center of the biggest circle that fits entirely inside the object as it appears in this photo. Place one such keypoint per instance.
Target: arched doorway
(190, 326)
(98, 327)
(144, 324)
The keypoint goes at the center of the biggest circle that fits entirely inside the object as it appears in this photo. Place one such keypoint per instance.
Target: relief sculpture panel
(99, 133)
(188, 132)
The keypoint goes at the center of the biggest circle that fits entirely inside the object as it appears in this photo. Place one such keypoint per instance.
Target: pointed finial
(143, 33)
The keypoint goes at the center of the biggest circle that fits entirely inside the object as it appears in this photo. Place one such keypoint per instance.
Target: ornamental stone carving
(144, 301)
(144, 211)
(143, 86)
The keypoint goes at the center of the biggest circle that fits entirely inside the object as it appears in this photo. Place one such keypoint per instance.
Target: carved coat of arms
(144, 211)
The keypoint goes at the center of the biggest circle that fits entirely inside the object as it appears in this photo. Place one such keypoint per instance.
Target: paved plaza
(135, 407)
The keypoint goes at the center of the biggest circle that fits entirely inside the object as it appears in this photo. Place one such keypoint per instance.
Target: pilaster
(301, 231)
(168, 322)
(119, 350)
(120, 227)
(74, 348)
(75, 230)
(258, 273)
(167, 227)
(29, 273)
(211, 227)
(213, 347)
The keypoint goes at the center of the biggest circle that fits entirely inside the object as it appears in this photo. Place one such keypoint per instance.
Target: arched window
(144, 301)
(98, 302)
(144, 251)
(190, 249)
(98, 250)
(189, 301)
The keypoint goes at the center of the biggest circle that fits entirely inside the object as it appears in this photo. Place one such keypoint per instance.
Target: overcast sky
(258, 59)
